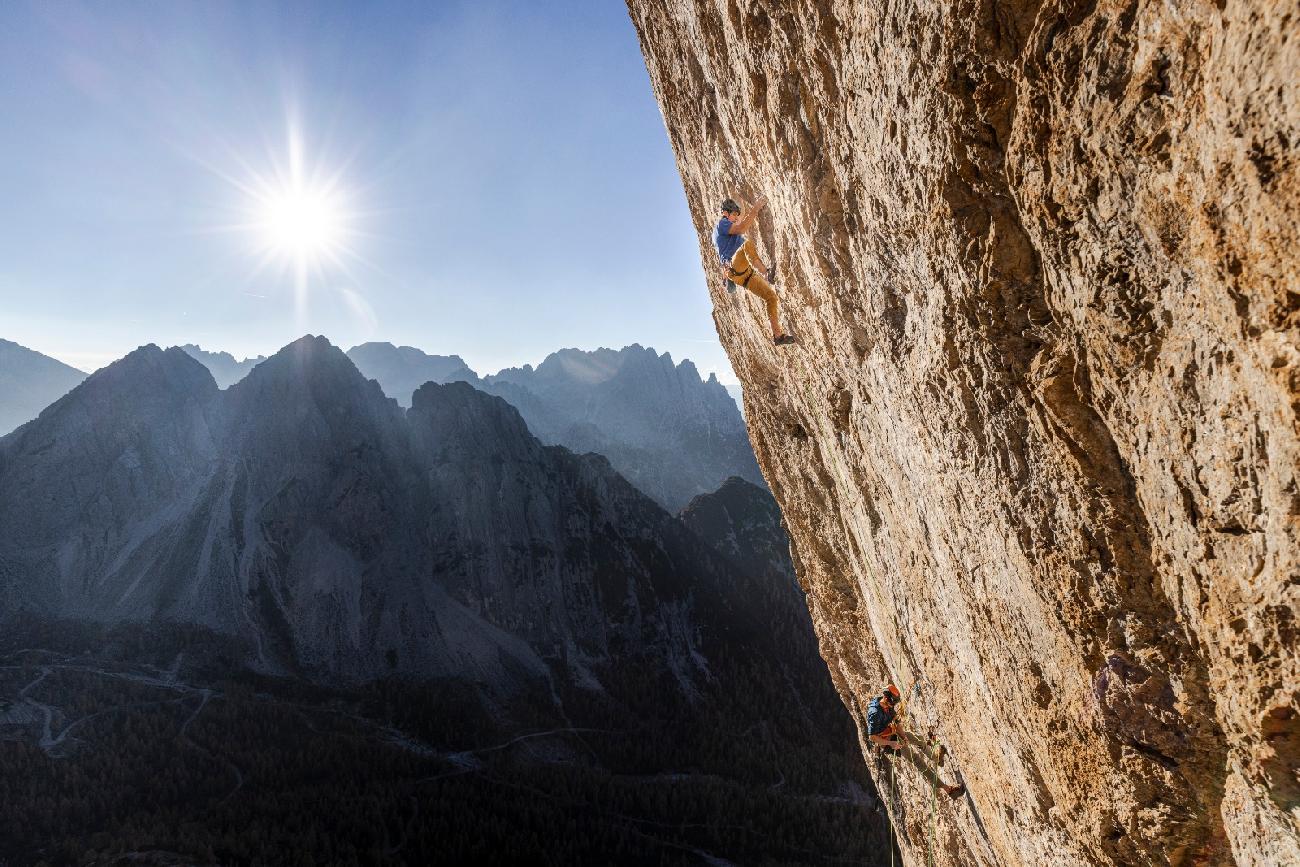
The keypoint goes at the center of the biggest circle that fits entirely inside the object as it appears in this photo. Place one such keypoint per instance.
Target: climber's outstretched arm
(747, 216)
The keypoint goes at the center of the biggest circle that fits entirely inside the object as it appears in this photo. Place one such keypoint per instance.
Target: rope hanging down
(914, 689)
(934, 803)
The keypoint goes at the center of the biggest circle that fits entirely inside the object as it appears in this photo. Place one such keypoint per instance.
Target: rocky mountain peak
(672, 434)
(457, 419)
(744, 523)
(309, 383)
(589, 367)
(145, 381)
(403, 369)
(736, 495)
(310, 364)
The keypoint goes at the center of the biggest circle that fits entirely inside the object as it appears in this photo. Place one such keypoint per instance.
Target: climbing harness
(747, 274)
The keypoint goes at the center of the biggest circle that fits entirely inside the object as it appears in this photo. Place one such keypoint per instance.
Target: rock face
(29, 382)
(1037, 447)
(671, 433)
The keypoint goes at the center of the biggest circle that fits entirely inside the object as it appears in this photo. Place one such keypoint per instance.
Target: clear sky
(493, 176)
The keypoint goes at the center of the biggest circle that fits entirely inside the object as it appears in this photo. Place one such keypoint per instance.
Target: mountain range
(669, 432)
(306, 512)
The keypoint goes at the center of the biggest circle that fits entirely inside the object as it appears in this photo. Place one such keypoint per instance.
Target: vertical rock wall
(1037, 448)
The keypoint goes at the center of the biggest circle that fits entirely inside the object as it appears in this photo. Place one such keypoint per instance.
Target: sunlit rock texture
(1037, 446)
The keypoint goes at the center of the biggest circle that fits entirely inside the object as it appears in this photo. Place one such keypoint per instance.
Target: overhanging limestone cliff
(1037, 448)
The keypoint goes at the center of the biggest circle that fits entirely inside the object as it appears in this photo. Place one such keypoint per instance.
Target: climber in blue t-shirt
(741, 264)
(885, 732)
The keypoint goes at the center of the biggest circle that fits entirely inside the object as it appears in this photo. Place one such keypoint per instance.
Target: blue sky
(507, 181)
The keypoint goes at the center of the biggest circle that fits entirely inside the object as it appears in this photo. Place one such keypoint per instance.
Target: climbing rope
(914, 689)
(893, 799)
(932, 753)
(934, 803)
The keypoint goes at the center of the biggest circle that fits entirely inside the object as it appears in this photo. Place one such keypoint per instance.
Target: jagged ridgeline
(522, 640)
(669, 432)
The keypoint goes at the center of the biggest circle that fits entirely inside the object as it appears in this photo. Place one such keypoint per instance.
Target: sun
(300, 220)
(299, 214)
(302, 223)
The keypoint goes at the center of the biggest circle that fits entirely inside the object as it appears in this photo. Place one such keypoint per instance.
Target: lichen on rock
(1037, 447)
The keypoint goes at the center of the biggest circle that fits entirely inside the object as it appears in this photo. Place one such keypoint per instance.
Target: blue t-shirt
(878, 719)
(727, 244)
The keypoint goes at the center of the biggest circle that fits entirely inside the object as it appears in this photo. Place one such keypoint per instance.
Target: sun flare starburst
(300, 214)
(302, 222)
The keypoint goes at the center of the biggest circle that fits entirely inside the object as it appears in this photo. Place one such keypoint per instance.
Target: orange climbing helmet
(891, 692)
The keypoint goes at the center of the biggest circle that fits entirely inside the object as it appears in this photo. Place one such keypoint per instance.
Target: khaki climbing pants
(743, 274)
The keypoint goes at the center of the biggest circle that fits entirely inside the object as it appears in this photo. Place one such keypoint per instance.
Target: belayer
(881, 730)
(740, 261)
(884, 732)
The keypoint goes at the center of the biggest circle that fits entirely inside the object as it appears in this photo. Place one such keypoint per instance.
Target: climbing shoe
(783, 340)
(956, 791)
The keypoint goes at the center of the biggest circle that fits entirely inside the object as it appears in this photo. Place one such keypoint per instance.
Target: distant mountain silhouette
(672, 434)
(669, 432)
(400, 370)
(29, 382)
(304, 511)
(225, 369)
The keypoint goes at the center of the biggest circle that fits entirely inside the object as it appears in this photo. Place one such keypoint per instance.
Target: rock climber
(885, 733)
(741, 264)
(881, 712)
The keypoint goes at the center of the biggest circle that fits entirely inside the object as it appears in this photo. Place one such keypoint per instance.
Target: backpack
(878, 719)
